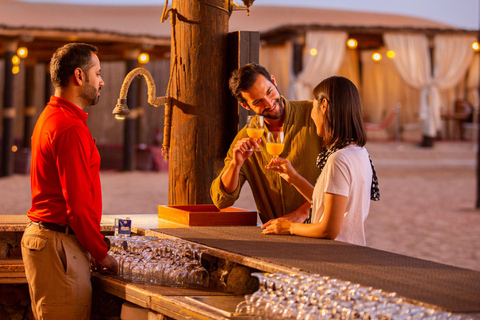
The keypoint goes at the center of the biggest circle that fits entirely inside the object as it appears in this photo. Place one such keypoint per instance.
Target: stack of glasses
(151, 260)
(307, 296)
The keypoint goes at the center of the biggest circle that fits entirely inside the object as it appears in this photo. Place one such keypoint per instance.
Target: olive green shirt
(274, 197)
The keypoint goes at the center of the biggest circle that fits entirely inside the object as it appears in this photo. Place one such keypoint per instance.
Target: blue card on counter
(123, 227)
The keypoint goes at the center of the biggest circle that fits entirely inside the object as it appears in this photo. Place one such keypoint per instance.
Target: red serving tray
(207, 215)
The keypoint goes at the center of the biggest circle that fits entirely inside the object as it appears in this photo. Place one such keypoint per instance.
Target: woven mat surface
(454, 289)
(14, 219)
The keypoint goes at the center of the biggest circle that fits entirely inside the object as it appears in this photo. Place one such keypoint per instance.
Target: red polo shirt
(65, 174)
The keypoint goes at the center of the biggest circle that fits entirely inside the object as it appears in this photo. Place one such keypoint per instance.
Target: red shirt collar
(63, 103)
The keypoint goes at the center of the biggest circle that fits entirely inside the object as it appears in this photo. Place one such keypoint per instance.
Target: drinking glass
(244, 307)
(255, 128)
(138, 271)
(275, 143)
(198, 276)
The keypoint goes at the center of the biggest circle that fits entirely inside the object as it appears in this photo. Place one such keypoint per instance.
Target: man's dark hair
(244, 78)
(67, 58)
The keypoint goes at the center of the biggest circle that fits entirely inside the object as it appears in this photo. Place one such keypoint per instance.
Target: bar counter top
(432, 284)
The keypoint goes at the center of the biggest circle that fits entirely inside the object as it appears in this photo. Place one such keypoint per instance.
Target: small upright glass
(255, 128)
(275, 143)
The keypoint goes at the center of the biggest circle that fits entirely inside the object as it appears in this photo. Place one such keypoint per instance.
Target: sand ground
(427, 208)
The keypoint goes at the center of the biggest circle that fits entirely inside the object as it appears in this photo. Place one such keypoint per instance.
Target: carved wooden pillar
(199, 92)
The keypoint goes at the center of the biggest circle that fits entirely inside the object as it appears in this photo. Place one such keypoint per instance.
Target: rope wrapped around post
(167, 128)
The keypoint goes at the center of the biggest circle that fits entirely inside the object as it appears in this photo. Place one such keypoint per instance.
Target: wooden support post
(30, 110)
(199, 94)
(130, 129)
(243, 48)
(297, 56)
(8, 111)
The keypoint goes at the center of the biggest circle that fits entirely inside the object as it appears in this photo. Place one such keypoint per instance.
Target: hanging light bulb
(376, 56)
(15, 60)
(22, 52)
(15, 69)
(143, 58)
(313, 52)
(352, 43)
(391, 54)
(476, 46)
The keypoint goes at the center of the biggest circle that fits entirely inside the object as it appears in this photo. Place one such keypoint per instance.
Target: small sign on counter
(123, 227)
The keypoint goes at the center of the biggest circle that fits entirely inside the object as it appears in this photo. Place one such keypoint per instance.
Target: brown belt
(54, 227)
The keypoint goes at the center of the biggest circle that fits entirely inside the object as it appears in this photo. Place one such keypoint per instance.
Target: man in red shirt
(64, 232)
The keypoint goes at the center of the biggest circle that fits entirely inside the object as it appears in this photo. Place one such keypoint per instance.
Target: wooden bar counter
(420, 282)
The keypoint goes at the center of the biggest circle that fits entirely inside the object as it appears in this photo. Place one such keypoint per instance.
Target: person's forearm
(315, 230)
(229, 178)
(303, 186)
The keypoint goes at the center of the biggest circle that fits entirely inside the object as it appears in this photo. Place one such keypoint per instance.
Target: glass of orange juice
(255, 128)
(275, 143)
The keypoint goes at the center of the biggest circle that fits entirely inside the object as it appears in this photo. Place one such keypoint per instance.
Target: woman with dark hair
(347, 182)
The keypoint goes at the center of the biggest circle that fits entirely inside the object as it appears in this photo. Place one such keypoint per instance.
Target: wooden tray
(207, 215)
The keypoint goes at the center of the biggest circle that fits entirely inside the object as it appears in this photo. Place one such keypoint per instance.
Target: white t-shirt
(348, 172)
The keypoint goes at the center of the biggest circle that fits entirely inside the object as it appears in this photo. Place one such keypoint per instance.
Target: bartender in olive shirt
(256, 90)
(66, 193)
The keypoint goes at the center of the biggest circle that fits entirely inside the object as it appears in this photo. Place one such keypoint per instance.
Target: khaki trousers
(58, 274)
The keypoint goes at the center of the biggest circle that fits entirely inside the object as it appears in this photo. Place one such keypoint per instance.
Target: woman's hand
(284, 168)
(278, 226)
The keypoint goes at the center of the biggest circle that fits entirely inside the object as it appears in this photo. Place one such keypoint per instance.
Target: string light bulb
(391, 54)
(476, 46)
(15, 69)
(313, 52)
(352, 43)
(376, 56)
(15, 60)
(22, 52)
(143, 58)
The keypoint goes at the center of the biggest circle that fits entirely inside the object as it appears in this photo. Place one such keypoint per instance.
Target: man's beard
(90, 94)
(281, 110)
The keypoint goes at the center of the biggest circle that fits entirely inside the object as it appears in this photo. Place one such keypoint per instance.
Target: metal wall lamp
(121, 109)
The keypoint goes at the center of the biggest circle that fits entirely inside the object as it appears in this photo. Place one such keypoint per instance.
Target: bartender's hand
(108, 265)
(299, 215)
(278, 226)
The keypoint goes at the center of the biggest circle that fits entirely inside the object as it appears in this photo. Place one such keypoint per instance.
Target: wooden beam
(42, 47)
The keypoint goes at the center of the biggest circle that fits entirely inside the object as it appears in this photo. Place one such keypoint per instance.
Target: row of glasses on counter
(297, 296)
(152, 260)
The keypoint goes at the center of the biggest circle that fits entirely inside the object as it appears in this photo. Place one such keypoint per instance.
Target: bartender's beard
(90, 94)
